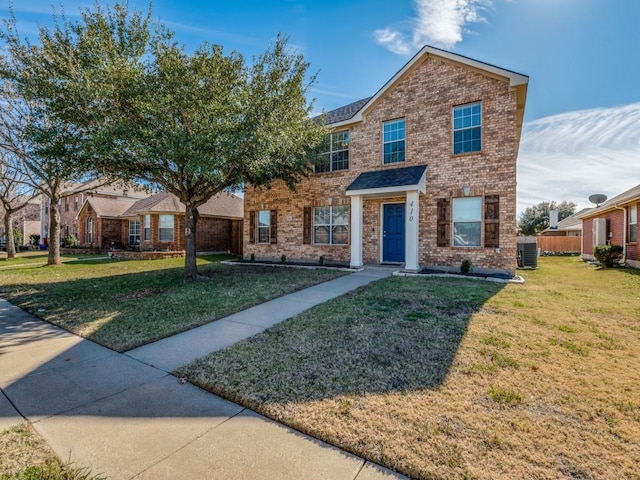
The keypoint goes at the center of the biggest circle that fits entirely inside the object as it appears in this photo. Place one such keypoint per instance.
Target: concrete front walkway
(126, 417)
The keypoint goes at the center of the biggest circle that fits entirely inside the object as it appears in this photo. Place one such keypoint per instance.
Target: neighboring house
(615, 222)
(157, 223)
(27, 219)
(421, 174)
(74, 197)
(567, 227)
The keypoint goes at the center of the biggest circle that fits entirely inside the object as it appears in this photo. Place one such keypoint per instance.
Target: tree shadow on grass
(398, 334)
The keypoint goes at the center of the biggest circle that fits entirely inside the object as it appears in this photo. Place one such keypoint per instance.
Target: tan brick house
(615, 222)
(423, 173)
(157, 223)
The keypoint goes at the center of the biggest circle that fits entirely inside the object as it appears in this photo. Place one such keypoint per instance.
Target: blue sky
(581, 57)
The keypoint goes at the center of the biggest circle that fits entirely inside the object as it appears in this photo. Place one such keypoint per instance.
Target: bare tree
(15, 194)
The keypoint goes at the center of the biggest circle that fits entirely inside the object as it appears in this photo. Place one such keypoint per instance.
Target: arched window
(89, 232)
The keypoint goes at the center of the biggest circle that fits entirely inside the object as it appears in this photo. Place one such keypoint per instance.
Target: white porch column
(412, 211)
(356, 231)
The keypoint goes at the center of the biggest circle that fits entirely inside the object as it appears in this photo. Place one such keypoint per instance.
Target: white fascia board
(374, 192)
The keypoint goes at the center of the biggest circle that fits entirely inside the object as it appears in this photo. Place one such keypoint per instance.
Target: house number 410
(411, 212)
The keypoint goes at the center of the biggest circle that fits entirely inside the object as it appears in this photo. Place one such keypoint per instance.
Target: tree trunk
(190, 222)
(54, 232)
(8, 228)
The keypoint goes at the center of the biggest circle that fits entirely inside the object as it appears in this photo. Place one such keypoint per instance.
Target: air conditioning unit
(599, 231)
(528, 254)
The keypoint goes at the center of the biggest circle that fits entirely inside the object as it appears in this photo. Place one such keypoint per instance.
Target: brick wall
(616, 229)
(424, 98)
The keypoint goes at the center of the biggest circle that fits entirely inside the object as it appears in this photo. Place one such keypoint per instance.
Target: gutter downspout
(624, 232)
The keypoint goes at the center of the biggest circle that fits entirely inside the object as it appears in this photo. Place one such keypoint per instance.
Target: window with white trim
(331, 225)
(88, 234)
(393, 141)
(134, 232)
(633, 223)
(165, 228)
(467, 222)
(333, 154)
(264, 224)
(146, 227)
(467, 128)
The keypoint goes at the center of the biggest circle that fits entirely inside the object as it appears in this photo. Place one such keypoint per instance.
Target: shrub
(17, 236)
(252, 258)
(321, 260)
(34, 240)
(283, 258)
(608, 255)
(465, 266)
(70, 241)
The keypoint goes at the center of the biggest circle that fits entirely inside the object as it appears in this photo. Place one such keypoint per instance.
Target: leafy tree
(45, 116)
(127, 102)
(535, 219)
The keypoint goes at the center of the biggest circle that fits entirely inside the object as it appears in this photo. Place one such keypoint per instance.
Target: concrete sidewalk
(126, 417)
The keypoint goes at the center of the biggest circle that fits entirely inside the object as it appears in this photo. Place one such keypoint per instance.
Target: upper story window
(393, 137)
(75, 203)
(467, 128)
(633, 224)
(333, 154)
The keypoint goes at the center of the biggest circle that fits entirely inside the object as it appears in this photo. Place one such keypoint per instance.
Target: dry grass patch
(123, 304)
(448, 378)
(24, 455)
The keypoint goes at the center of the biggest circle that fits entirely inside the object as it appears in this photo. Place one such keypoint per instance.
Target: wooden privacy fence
(559, 244)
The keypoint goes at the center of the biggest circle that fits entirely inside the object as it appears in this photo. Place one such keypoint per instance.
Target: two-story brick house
(423, 173)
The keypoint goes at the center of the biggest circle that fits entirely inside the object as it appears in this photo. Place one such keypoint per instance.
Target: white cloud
(440, 23)
(575, 154)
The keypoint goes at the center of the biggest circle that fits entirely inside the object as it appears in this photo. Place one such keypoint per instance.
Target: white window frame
(388, 139)
(146, 229)
(331, 151)
(164, 228)
(464, 123)
(464, 215)
(633, 224)
(134, 232)
(88, 235)
(332, 216)
(263, 224)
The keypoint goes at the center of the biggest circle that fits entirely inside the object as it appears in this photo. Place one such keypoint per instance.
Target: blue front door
(393, 232)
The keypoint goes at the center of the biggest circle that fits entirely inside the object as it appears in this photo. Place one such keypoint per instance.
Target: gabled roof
(626, 197)
(225, 205)
(340, 116)
(97, 185)
(108, 207)
(343, 113)
(389, 180)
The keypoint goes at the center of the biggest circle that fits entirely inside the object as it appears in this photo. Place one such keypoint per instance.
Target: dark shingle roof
(395, 177)
(343, 113)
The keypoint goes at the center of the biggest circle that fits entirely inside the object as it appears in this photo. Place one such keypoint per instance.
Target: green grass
(25, 456)
(123, 304)
(451, 378)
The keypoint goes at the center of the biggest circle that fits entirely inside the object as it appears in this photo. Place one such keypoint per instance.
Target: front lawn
(454, 378)
(123, 304)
